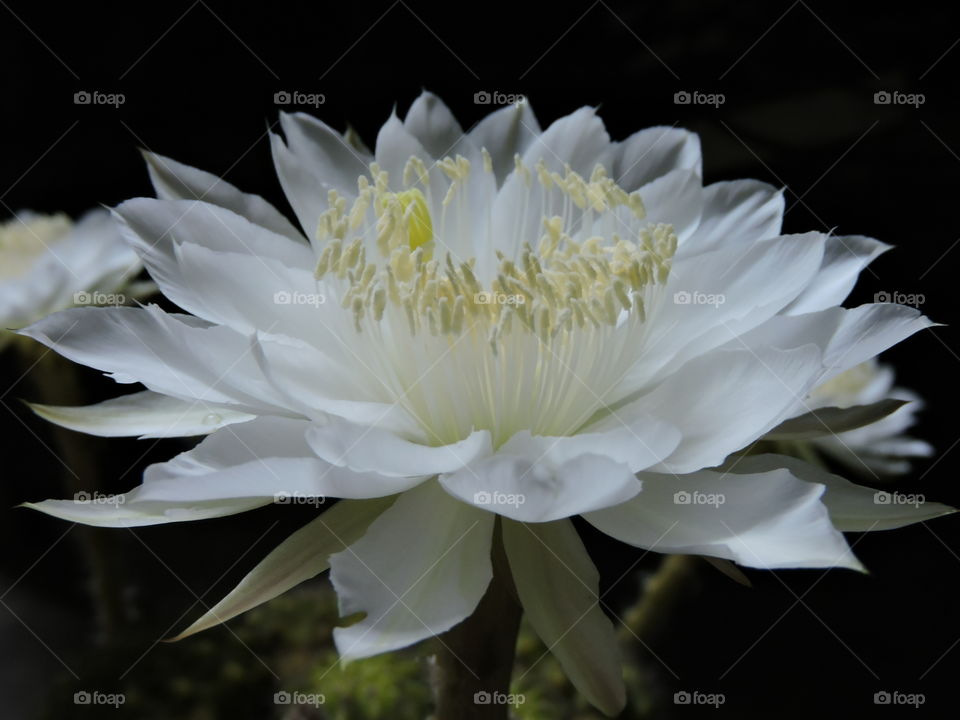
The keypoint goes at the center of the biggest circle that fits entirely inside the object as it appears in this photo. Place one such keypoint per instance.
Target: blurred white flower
(880, 448)
(49, 263)
(510, 322)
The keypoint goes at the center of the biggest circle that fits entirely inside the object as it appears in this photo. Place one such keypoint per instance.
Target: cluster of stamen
(565, 283)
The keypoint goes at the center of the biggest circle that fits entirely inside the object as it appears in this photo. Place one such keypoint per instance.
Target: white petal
(306, 192)
(268, 458)
(834, 420)
(724, 400)
(171, 354)
(652, 153)
(325, 152)
(853, 508)
(676, 199)
(637, 442)
(764, 520)
(237, 468)
(395, 145)
(318, 383)
(718, 296)
(578, 140)
(504, 133)
(175, 181)
(364, 449)
(432, 123)
(848, 336)
(420, 569)
(524, 489)
(738, 212)
(843, 260)
(300, 557)
(147, 414)
(161, 230)
(558, 586)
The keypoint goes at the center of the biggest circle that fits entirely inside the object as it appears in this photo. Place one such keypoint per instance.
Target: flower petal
(764, 520)
(175, 181)
(147, 414)
(853, 508)
(833, 420)
(300, 557)
(369, 449)
(848, 336)
(162, 231)
(726, 399)
(235, 469)
(417, 588)
(171, 354)
(505, 133)
(528, 490)
(652, 153)
(430, 121)
(843, 260)
(558, 586)
(738, 212)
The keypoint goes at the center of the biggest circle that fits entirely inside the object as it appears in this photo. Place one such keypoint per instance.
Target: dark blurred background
(198, 82)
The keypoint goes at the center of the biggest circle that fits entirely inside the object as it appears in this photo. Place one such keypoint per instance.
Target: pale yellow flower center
(23, 242)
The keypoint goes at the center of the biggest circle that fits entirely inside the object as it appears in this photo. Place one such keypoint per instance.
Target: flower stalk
(474, 661)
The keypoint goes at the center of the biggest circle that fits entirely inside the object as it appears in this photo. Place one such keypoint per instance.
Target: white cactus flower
(880, 449)
(510, 323)
(49, 263)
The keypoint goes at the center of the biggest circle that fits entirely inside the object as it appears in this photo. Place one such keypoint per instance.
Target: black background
(799, 81)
